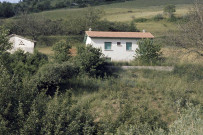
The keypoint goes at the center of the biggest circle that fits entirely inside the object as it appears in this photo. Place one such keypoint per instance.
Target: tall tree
(190, 34)
(6, 10)
(61, 51)
(170, 10)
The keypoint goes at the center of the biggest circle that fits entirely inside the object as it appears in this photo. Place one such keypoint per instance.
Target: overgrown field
(56, 91)
(133, 94)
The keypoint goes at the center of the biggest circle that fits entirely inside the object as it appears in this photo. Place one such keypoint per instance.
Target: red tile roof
(119, 34)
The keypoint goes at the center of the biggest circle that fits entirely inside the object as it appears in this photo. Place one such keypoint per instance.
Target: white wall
(27, 47)
(117, 53)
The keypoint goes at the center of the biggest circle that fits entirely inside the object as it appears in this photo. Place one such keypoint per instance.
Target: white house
(116, 46)
(19, 42)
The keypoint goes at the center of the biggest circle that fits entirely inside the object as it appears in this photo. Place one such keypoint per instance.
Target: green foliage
(13, 94)
(39, 26)
(189, 122)
(4, 43)
(169, 10)
(195, 71)
(58, 116)
(62, 51)
(115, 26)
(26, 64)
(140, 20)
(25, 111)
(158, 17)
(141, 121)
(51, 40)
(148, 51)
(34, 26)
(90, 61)
(6, 10)
(49, 76)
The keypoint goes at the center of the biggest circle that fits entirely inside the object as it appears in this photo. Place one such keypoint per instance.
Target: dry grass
(45, 50)
(126, 14)
(181, 55)
(157, 28)
(48, 51)
(123, 11)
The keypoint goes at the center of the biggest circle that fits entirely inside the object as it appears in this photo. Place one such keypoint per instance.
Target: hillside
(127, 11)
(124, 11)
(65, 87)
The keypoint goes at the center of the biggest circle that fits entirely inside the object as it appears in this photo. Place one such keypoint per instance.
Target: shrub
(61, 51)
(172, 18)
(26, 64)
(51, 75)
(57, 115)
(90, 60)
(189, 122)
(115, 26)
(136, 120)
(158, 17)
(4, 43)
(148, 51)
(170, 10)
(140, 20)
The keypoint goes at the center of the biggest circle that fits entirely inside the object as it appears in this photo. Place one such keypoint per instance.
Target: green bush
(61, 51)
(135, 120)
(51, 75)
(158, 17)
(188, 123)
(58, 116)
(26, 64)
(4, 43)
(115, 26)
(147, 51)
(49, 40)
(91, 61)
(140, 20)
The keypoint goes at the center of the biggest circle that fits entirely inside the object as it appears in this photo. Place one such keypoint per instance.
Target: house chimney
(143, 31)
(90, 29)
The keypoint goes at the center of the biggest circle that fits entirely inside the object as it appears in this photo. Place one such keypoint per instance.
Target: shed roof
(105, 34)
(14, 35)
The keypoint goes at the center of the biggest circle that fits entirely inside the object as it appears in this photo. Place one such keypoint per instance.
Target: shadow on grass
(190, 71)
(84, 83)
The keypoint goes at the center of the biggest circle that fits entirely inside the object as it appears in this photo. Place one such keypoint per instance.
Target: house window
(21, 43)
(129, 46)
(118, 43)
(107, 45)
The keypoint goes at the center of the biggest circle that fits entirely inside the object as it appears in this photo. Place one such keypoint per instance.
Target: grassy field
(126, 14)
(139, 92)
(124, 11)
(137, 98)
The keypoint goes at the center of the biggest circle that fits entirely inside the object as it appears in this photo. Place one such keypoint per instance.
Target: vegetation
(4, 44)
(65, 94)
(190, 31)
(90, 60)
(6, 10)
(170, 10)
(61, 51)
(147, 51)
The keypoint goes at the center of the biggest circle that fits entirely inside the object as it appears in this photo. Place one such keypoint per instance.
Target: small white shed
(22, 43)
(116, 46)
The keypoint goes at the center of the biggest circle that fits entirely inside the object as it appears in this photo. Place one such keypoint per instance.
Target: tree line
(37, 25)
(6, 10)
(28, 6)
